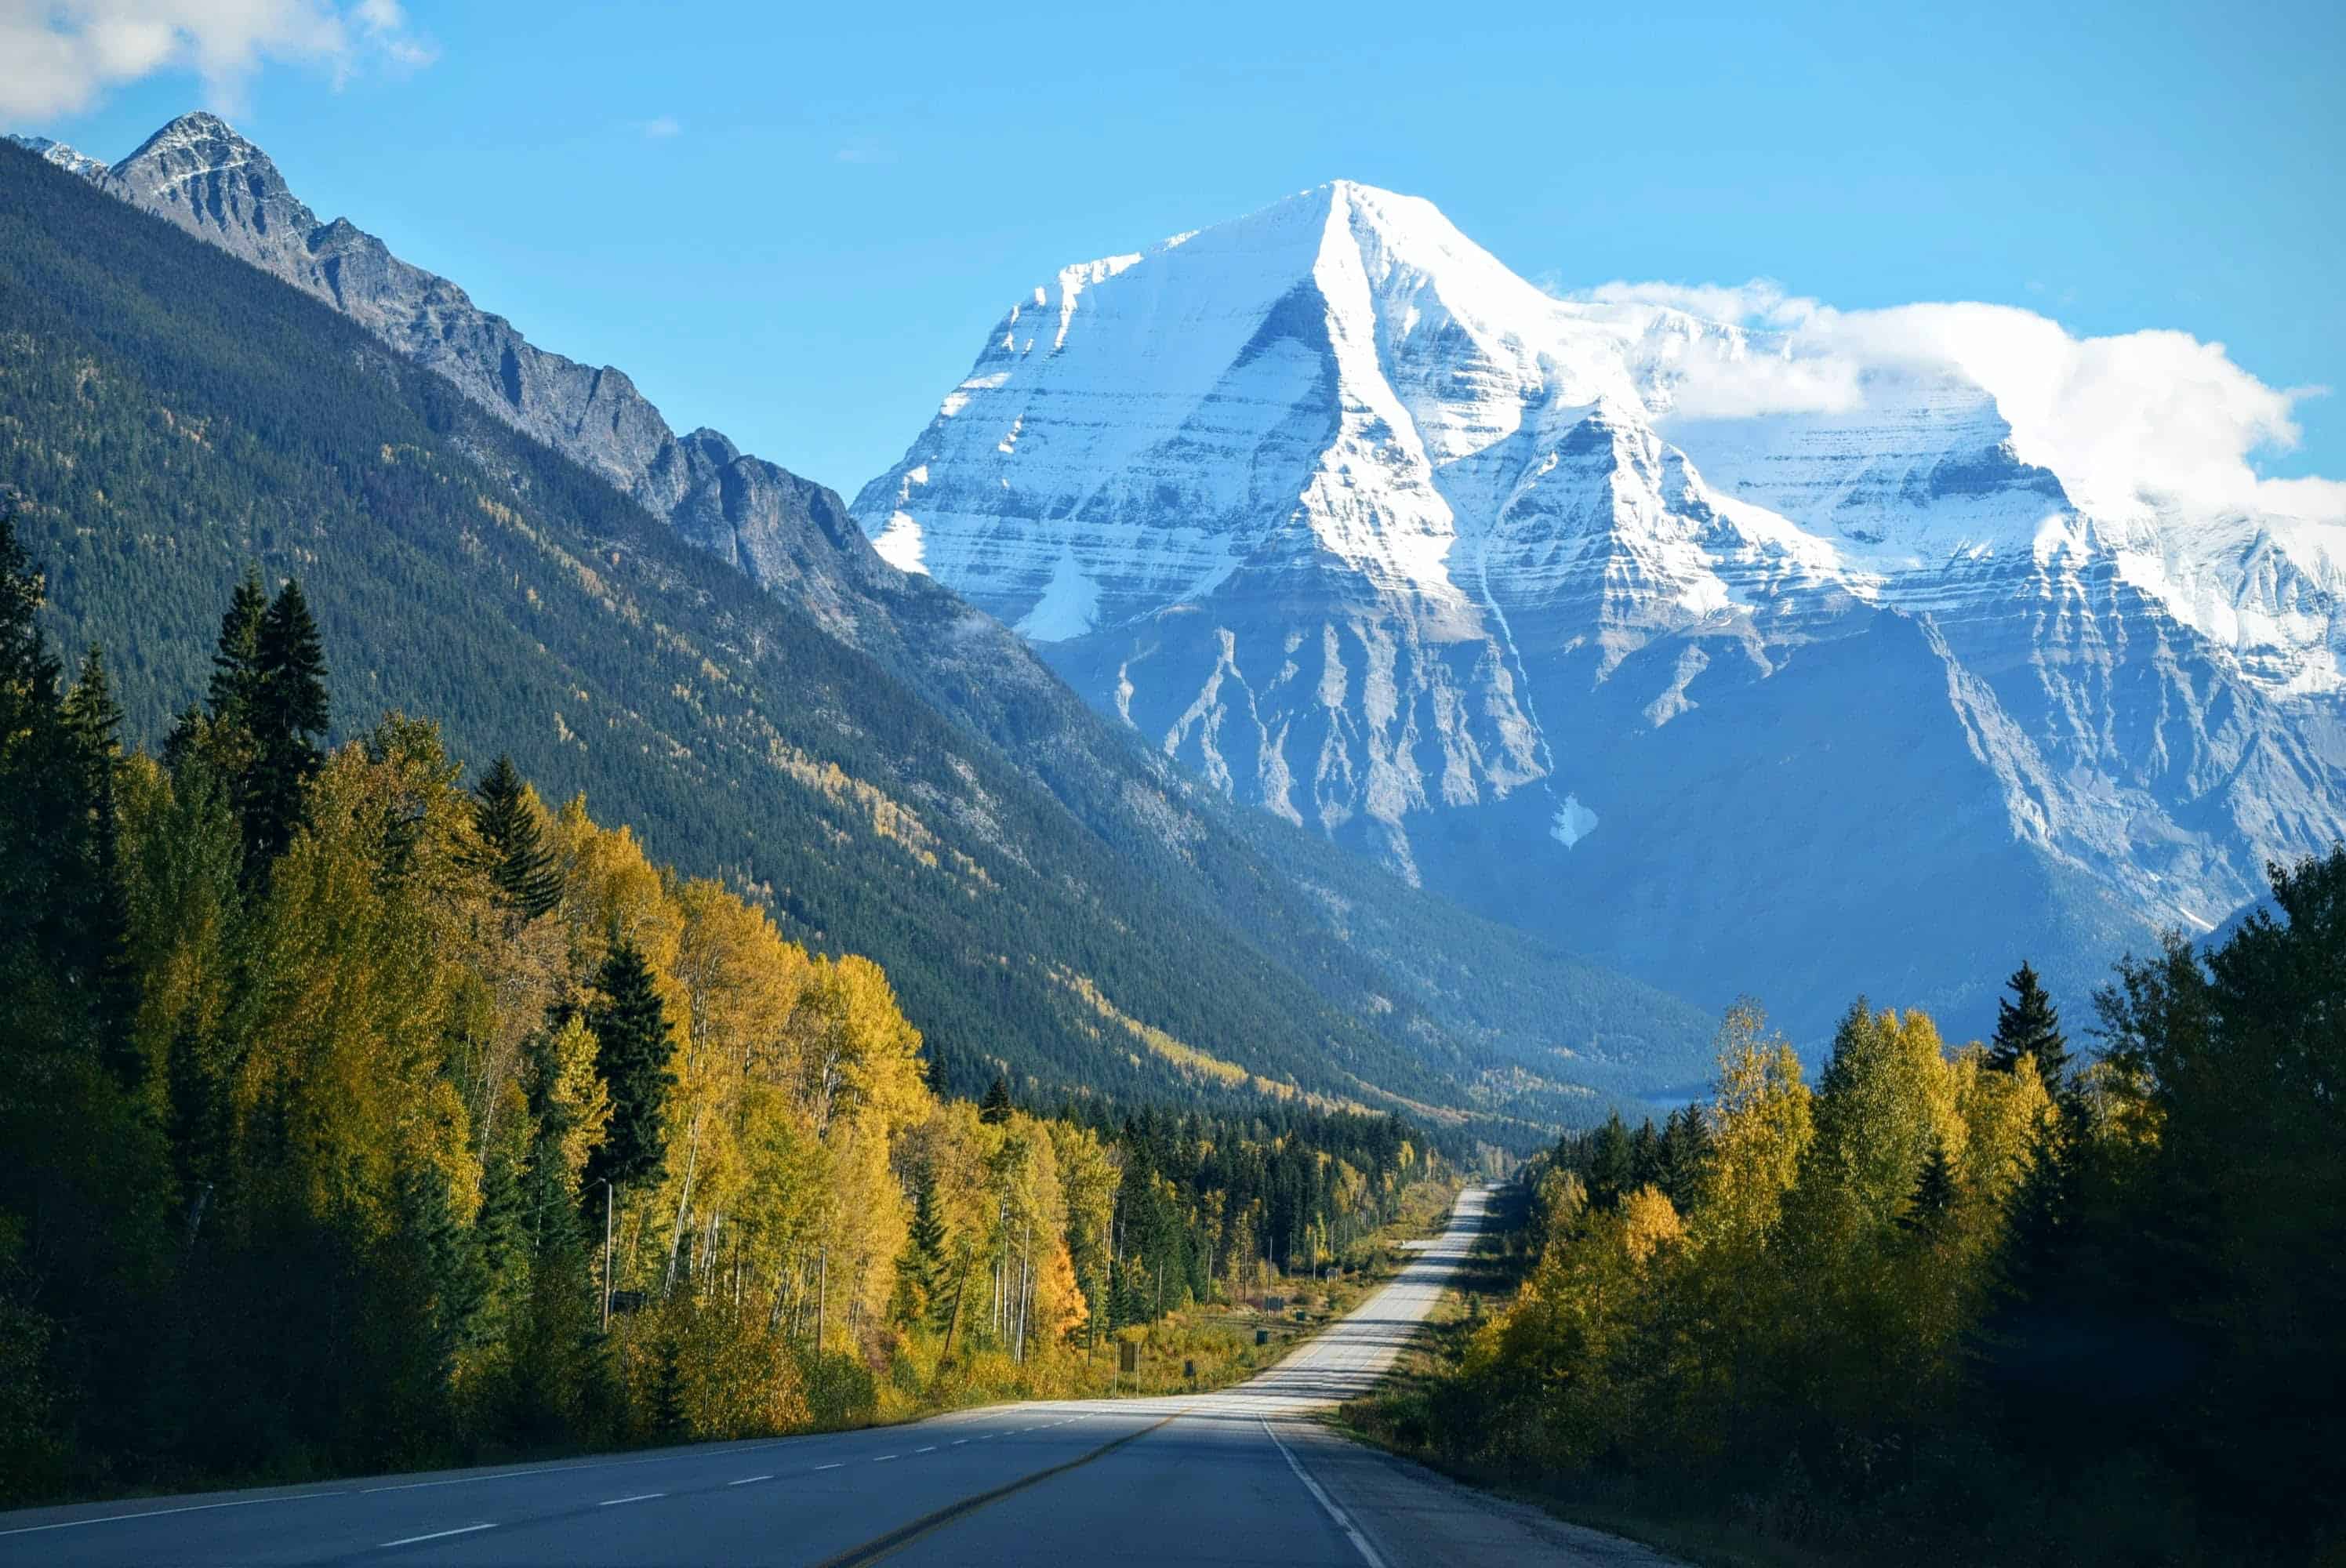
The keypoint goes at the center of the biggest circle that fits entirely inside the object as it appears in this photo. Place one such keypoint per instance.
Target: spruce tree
(92, 721)
(519, 861)
(1685, 1149)
(633, 1044)
(2030, 1025)
(996, 1108)
(922, 1269)
(235, 687)
(1645, 1157)
(1934, 1199)
(1610, 1164)
(289, 717)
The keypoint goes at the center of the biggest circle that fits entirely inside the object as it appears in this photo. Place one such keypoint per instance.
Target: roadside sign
(1127, 1356)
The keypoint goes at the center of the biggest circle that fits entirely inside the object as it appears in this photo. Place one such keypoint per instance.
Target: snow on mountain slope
(1328, 502)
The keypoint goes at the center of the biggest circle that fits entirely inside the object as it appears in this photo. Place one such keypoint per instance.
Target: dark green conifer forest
(1967, 1306)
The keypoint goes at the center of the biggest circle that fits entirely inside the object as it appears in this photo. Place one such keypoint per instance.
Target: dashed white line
(834, 1464)
(958, 1442)
(435, 1535)
(884, 1459)
(930, 1449)
(749, 1480)
(639, 1497)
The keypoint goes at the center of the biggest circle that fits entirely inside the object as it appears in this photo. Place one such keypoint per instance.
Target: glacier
(1333, 506)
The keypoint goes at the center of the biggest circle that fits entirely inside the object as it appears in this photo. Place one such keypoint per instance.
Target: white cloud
(2156, 416)
(57, 56)
(661, 127)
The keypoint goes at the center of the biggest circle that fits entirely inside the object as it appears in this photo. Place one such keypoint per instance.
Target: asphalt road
(1241, 1476)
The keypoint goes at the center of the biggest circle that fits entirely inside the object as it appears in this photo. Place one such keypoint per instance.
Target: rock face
(200, 174)
(1328, 503)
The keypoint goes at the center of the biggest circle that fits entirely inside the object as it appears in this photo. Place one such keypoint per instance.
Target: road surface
(1241, 1476)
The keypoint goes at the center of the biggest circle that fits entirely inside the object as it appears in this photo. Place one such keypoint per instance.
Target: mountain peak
(199, 131)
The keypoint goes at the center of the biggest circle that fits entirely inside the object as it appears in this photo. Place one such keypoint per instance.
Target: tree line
(360, 1116)
(2010, 1303)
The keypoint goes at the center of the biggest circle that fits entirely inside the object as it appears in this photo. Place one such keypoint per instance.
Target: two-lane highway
(1244, 1475)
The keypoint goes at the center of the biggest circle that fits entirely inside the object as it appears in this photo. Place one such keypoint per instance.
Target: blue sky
(797, 227)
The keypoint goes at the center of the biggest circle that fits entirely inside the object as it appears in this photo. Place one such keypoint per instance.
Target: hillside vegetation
(1982, 1306)
(327, 1079)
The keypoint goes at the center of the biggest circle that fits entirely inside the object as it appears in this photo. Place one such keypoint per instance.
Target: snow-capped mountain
(1331, 505)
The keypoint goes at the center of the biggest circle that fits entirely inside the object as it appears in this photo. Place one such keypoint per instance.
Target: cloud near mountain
(2154, 417)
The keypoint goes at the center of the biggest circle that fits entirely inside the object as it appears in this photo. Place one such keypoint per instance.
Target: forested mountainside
(171, 414)
(1367, 942)
(326, 1075)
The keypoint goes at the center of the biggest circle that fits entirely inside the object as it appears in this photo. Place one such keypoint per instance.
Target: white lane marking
(930, 1449)
(639, 1497)
(1360, 1542)
(469, 1479)
(884, 1459)
(834, 1464)
(958, 1442)
(435, 1535)
(749, 1480)
(159, 1512)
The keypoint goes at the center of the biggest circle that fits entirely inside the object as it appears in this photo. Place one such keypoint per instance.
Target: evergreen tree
(1610, 1164)
(1645, 1157)
(289, 715)
(921, 1270)
(2030, 1025)
(995, 1108)
(633, 1044)
(2036, 1235)
(518, 859)
(93, 722)
(1685, 1150)
(1934, 1200)
(46, 861)
(235, 690)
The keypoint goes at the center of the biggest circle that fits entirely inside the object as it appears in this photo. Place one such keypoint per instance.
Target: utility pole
(821, 1292)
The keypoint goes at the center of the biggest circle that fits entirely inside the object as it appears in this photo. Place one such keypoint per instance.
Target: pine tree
(995, 1108)
(519, 862)
(289, 715)
(633, 1044)
(2030, 1025)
